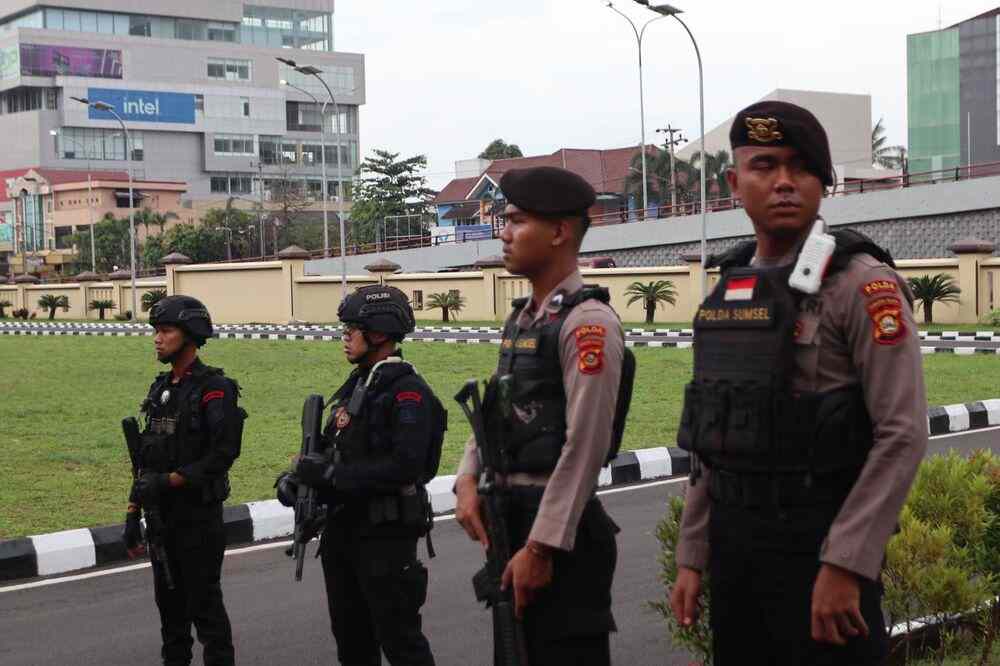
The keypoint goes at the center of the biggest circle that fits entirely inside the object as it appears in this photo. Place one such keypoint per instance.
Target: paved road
(109, 618)
(661, 338)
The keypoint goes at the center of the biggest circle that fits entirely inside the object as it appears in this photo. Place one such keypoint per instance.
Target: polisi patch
(886, 314)
(759, 315)
(879, 287)
(379, 296)
(591, 360)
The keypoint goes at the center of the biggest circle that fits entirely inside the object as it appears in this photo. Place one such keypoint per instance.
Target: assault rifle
(309, 515)
(154, 521)
(509, 644)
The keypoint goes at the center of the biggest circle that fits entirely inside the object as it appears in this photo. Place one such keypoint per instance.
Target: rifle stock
(509, 643)
(307, 510)
(154, 521)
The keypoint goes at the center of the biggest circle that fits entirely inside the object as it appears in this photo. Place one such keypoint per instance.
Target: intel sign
(144, 106)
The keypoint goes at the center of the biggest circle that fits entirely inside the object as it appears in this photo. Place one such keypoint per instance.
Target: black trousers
(375, 587)
(195, 548)
(762, 571)
(569, 621)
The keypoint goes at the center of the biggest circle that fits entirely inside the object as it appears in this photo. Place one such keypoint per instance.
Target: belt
(783, 490)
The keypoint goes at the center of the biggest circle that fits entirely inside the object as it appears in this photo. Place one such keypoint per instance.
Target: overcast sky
(445, 77)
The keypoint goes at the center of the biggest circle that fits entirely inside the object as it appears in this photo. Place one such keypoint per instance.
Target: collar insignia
(763, 130)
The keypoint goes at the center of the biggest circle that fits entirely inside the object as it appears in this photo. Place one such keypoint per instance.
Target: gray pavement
(109, 618)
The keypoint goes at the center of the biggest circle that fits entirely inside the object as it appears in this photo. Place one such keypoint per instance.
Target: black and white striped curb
(960, 351)
(71, 550)
(959, 418)
(958, 336)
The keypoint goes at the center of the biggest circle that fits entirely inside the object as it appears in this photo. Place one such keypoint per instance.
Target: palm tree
(101, 306)
(930, 288)
(883, 155)
(448, 302)
(716, 166)
(658, 176)
(51, 302)
(651, 294)
(3, 306)
(151, 298)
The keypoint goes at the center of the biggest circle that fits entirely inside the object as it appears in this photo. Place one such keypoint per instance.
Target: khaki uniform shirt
(591, 365)
(859, 329)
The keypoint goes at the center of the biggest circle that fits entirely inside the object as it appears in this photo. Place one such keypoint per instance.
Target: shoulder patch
(886, 314)
(212, 395)
(591, 359)
(589, 331)
(880, 287)
(409, 396)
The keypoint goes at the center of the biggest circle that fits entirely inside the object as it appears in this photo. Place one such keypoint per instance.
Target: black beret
(773, 123)
(547, 191)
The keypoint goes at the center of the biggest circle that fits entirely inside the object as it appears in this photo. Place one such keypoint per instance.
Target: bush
(21, 313)
(152, 297)
(101, 305)
(944, 563)
(698, 637)
(991, 318)
(51, 302)
(4, 304)
(124, 316)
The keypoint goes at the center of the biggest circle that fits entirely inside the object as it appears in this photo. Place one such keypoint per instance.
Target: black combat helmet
(187, 313)
(378, 308)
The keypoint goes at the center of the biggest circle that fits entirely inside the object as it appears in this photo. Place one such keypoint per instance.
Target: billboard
(6, 232)
(44, 60)
(143, 106)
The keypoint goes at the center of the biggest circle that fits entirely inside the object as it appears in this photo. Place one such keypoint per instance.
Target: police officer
(192, 436)
(384, 434)
(807, 418)
(564, 347)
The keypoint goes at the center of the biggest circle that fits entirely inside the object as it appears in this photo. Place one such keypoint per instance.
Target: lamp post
(104, 106)
(639, 33)
(309, 70)
(90, 192)
(322, 122)
(670, 10)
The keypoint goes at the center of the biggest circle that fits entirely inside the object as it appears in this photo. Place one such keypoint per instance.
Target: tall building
(198, 84)
(953, 100)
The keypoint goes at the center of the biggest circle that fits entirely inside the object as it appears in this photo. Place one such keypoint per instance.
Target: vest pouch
(710, 421)
(157, 453)
(540, 454)
(414, 508)
(687, 434)
(844, 431)
(748, 427)
(383, 509)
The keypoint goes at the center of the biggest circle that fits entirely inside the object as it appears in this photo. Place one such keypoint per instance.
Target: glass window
(88, 21)
(163, 28)
(216, 70)
(71, 20)
(241, 184)
(199, 103)
(289, 153)
(51, 98)
(139, 26)
(54, 19)
(245, 102)
(220, 184)
(121, 24)
(106, 24)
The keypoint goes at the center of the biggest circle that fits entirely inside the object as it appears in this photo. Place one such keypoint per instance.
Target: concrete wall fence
(279, 292)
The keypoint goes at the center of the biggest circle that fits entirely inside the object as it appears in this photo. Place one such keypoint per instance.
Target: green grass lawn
(64, 464)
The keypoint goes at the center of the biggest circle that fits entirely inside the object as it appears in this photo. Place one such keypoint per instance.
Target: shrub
(124, 316)
(51, 302)
(3, 307)
(698, 637)
(152, 297)
(451, 301)
(21, 313)
(101, 306)
(991, 318)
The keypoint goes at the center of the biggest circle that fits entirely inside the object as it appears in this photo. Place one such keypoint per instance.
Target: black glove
(132, 534)
(315, 470)
(151, 486)
(288, 488)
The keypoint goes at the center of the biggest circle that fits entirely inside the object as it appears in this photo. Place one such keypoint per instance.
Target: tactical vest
(529, 420)
(176, 434)
(359, 430)
(741, 413)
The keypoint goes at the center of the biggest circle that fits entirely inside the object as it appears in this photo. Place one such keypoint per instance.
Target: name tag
(757, 315)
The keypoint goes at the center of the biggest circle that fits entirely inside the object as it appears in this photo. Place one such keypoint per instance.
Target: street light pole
(104, 106)
(669, 10)
(326, 224)
(642, 103)
(315, 72)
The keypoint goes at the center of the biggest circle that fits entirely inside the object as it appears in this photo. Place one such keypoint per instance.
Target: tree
(241, 228)
(111, 238)
(716, 166)
(651, 294)
(289, 198)
(658, 176)
(388, 186)
(151, 298)
(500, 150)
(884, 155)
(51, 302)
(448, 302)
(101, 306)
(201, 244)
(3, 306)
(929, 289)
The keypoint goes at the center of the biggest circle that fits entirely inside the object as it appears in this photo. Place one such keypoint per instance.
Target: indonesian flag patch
(740, 289)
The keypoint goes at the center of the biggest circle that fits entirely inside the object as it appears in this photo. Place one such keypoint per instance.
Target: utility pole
(670, 142)
(260, 212)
